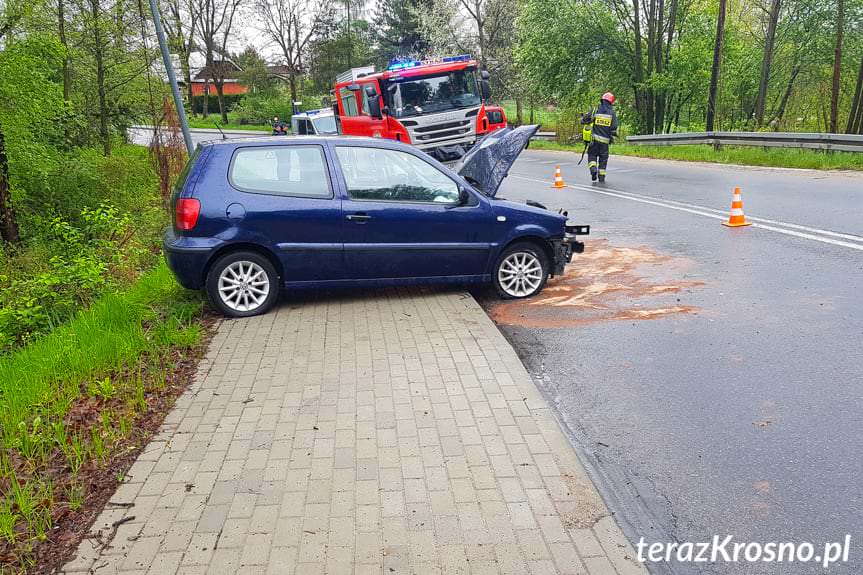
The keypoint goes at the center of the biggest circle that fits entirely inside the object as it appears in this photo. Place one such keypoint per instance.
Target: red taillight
(187, 213)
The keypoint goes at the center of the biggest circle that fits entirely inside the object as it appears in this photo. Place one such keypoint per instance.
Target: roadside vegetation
(77, 406)
(742, 155)
(96, 338)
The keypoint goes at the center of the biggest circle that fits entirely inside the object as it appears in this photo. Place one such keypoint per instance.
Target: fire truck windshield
(431, 94)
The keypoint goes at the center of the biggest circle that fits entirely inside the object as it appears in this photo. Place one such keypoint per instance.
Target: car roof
(311, 139)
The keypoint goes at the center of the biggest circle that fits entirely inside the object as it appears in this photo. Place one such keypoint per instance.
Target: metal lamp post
(172, 77)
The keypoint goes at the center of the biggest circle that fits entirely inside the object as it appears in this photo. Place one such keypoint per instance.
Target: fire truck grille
(442, 135)
(446, 126)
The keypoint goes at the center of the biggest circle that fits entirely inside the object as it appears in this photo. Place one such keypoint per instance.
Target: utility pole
(172, 78)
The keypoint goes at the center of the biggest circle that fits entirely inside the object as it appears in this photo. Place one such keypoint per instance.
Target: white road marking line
(851, 237)
(710, 213)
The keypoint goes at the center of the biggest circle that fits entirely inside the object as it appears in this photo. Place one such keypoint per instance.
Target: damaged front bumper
(564, 247)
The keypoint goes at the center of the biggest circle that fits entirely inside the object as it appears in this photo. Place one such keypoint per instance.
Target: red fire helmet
(609, 97)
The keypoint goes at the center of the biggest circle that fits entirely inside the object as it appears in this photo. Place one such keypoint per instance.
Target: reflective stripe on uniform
(591, 164)
(600, 139)
(601, 172)
(602, 119)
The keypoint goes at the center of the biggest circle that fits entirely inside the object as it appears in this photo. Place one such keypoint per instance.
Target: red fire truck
(440, 106)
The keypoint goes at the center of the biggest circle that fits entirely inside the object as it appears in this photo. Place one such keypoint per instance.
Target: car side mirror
(485, 89)
(463, 198)
(374, 103)
(484, 75)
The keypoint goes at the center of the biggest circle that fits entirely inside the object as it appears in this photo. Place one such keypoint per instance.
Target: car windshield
(325, 124)
(434, 94)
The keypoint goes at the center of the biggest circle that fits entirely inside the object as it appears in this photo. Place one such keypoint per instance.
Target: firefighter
(600, 129)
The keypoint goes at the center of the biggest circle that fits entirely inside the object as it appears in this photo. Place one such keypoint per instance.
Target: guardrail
(814, 141)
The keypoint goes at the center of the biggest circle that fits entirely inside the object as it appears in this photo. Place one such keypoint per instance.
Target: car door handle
(358, 218)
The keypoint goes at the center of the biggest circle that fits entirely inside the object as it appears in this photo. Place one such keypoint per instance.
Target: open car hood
(488, 162)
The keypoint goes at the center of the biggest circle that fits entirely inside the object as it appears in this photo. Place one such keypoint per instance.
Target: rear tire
(521, 271)
(242, 284)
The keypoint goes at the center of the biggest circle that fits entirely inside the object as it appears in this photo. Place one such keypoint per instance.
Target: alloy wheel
(243, 286)
(520, 274)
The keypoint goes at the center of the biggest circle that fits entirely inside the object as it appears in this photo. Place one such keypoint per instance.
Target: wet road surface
(712, 377)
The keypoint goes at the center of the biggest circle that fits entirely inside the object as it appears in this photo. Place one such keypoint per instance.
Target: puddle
(604, 283)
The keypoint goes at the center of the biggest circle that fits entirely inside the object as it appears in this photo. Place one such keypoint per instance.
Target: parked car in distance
(256, 216)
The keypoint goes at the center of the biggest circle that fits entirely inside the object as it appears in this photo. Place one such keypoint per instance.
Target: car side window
(283, 170)
(393, 175)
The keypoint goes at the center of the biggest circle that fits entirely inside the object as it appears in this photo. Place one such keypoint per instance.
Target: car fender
(516, 233)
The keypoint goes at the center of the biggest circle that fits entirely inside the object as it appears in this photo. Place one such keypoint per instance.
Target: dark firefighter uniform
(604, 130)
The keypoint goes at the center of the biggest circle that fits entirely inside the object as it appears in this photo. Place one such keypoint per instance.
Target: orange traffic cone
(736, 219)
(558, 179)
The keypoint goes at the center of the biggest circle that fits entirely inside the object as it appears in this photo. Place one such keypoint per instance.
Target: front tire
(521, 271)
(242, 284)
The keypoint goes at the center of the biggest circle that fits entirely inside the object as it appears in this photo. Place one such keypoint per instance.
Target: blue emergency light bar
(401, 65)
(405, 64)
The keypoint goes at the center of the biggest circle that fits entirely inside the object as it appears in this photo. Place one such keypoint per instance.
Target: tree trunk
(220, 93)
(714, 72)
(856, 116)
(8, 224)
(187, 78)
(61, 30)
(651, 61)
(766, 62)
(837, 66)
(659, 105)
(104, 134)
(638, 68)
(519, 112)
(292, 81)
(205, 103)
(780, 109)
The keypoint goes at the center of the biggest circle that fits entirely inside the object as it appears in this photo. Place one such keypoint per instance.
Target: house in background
(202, 80)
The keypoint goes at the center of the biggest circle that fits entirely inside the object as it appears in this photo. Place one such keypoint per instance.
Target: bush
(260, 109)
(80, 239)
(231, 101)
(255, 109)
(79, 264)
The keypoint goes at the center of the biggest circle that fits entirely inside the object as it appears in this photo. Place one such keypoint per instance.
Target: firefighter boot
(593, 173)
(601, 176)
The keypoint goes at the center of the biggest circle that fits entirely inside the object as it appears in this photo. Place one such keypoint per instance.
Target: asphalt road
(712, 377)
(141, 135)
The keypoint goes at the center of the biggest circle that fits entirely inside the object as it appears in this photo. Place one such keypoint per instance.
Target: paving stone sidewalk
(389, 433)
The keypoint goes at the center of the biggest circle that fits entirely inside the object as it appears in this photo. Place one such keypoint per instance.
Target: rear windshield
(181, 179)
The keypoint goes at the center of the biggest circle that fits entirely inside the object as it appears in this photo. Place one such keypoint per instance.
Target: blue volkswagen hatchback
(253, 217)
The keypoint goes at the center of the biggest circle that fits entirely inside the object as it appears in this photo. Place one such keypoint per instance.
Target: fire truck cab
(440, 106)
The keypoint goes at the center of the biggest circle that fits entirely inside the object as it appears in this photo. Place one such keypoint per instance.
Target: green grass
(774, 157)
(541, 115)
(109, 357)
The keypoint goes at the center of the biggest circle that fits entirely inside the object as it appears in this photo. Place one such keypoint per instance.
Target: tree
(837, 67)
(214, 23)
(717, 61)
(767, 60)
(179, 25)
(254, 72)
(855, 117)
(290, 25)
(31, 99)
(397, 30)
